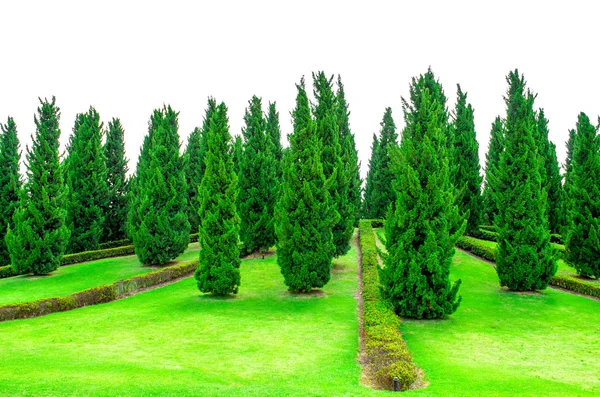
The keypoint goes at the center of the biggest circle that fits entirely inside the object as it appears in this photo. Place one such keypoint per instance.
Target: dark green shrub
(7, 271)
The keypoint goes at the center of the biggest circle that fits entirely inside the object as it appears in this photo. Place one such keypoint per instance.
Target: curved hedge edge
(96, 295)
(386, 353)
(563, 281)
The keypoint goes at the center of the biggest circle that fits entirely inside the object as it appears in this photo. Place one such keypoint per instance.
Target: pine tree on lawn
(117, 183)
(164, 230)
(464, 157)
(39, 238)
(367, 209)
(492, 162)
(237, 150)
(218, 270)
(524, 259)
(85, 178)
(193, 177)
(383, 193)
(566, 189)
(419, 238)
(257, 189)
(10, 183)
(274, 131)
(335, 172)
(304, 218)
(349, 154)
(583, 236)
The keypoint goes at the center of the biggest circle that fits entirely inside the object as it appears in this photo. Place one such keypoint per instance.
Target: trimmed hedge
(87, 256)
(375, 223)
(564, 281)
(387, 355)
(93, 296)
(484, 234)
(489, 228)
(7, 271)
(115, 244)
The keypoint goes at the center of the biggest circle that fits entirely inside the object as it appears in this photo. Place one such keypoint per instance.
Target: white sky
(128, 58)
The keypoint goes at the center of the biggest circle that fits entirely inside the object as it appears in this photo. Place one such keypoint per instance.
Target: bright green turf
(73, 278)
(502, 343)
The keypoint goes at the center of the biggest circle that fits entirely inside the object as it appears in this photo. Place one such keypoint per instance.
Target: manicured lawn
(174, 341)
(73, 278)
(501, 343)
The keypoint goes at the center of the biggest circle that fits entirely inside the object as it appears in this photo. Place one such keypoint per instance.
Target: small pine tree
(367, 209)
(304, 218)
(164, 230)
(274, 131)
(419, 236)
(524, 258)
(495, 149)
(117, 183)
(583, 236)
(465, 174)
(10, 183)
(218, 268)
(85, 178)
(39, 238)
(383, 193)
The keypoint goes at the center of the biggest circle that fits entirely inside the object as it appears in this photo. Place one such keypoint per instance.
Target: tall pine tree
(164, 230)
(566, 190)
(367, 208)
(583, 231)
(419, 231)
(524, 258)
(304, 215)
(464, 157)
(274, 132)
(85, 178)
(383, 193)
(257, 182)
(495, 149)
(39, 238)
(117, 183)
(10, 183)
(218, 269)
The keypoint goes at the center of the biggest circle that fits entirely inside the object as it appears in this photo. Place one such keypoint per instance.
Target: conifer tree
(218, 269)
(566, 189)
(583, 231)
(349, 154)
(524, 258)
(257, 182)
(274, 132)
(383, 193)
(237, 150)
(367, 209)
(116, 181)
(10, 183)
(495, 149)
(419, 230)
(193, 176)
(39, 238)
(164, 230)
(464, 157)
(85, 178)
(304, 218)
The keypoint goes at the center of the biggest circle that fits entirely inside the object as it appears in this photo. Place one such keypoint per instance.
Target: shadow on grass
(315, 293)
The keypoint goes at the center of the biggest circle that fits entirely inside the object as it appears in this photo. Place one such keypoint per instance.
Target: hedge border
(386, 353)
(563, 281)
(96, 295)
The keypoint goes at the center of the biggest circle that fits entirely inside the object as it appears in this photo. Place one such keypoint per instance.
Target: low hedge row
(387, 355)
(115, 244)
(375, 223)
(7, 271)
(93, 296)
(87, 256)
(484, 234)
(564, 281)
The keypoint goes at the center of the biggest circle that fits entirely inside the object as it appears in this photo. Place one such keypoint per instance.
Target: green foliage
(39, 238)
(258, 184)
(366, 208)
(164, 230)
(10, 183)
(304, 215)
(495, 149)
(423, 227)
(117, 183)
(274, 132)
(525, 257)
(583, 226)
(464, 159)
(237, 150)
(218, 270)
(87, 256)
(86, 181)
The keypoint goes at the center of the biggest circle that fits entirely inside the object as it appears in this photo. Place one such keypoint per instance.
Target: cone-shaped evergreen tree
(566, 189)
(349, 154)
(39, 238)
(85, 178)
(193, 176)
(524, 258)
(117, 183)
(274, 132)
(237, 150)
(465, 174)
(383, 192)
(10, 183)
(304, 218)
(419, 236)
(218, 269)
(583, 236)
(328, 131)
(164, 230)
(367, 202)
(257, 182)
(495, 149)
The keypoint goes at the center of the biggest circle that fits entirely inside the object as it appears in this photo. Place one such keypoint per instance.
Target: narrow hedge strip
(484, 234)
(375, 223)
(387, 355)
(564, 281)
(115, 244)
(93, 296)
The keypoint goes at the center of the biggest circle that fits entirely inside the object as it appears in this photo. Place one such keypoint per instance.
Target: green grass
(73, 278)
